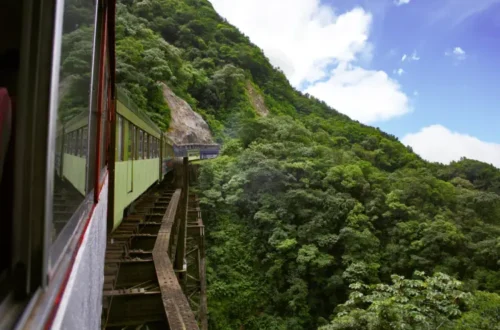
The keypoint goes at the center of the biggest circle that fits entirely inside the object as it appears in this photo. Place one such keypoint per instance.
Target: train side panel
(137, 158)
(74, 171)
(145, 174)
(86, 279)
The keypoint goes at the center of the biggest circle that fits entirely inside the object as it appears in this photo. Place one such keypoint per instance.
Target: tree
(432, 302)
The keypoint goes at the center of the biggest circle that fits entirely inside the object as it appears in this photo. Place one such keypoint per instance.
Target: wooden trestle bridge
(155, 261)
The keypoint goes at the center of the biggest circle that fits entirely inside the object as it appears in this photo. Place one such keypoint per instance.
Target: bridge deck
(141, 286)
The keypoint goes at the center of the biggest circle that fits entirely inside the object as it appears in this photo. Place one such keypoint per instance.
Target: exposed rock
(257, 100)
(186, 126)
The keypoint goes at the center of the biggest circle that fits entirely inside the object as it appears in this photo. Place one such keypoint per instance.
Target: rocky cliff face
(186, 125)
(257, 100)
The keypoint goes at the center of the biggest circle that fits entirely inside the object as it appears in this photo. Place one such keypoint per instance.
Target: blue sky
(463, 95)
(427, 71)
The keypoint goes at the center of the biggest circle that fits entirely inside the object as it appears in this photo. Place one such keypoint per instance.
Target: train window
(85, 133)
(57, 61)
(73, 143)
(131, 142)
(148, 146)
(119, 138)
(141, 141)
(78, 142)
(151, 147)
(75, 74)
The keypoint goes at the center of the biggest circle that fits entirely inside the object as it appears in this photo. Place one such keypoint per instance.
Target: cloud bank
(439, 144)
(364, 95)
(306, 39)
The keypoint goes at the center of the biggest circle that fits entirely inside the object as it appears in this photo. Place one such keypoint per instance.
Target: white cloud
(415, 93)
(399, 72)
(458, 51)
(401, 2)
(458, 54)
(302, 37)
(364, 95)
(306, 39)
(437, 143)
(409, 58)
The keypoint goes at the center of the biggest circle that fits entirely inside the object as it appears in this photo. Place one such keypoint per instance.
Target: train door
(130, 157)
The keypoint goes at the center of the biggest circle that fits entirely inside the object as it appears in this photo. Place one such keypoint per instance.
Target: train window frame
(41, 267)
(33, 181)
(59, 248)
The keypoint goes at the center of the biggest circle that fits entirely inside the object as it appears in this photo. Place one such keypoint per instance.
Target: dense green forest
(313, 220)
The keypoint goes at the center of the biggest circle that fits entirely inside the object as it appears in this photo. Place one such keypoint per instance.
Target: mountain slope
(306, 209)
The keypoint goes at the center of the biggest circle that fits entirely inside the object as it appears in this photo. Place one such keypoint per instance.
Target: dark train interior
(10, 43)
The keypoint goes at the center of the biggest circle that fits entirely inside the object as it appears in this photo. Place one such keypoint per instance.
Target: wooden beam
(178, 312)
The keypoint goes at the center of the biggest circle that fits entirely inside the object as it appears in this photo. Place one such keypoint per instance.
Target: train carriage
(55, 182)
(139, 158)
(75, 159)
(76, 154)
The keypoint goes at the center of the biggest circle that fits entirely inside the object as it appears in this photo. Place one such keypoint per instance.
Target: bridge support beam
(179, 261)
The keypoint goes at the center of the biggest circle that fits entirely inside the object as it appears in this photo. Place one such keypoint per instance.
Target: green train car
(143, 154)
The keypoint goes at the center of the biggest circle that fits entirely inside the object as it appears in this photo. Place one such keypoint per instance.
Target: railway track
(154, 266)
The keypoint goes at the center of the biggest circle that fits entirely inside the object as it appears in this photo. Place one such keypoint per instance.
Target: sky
(426, 71)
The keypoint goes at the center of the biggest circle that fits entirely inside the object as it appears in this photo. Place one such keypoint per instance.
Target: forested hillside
(313, 220)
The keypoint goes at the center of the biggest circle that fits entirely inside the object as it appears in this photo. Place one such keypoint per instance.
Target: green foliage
(322, 218)
(427, 303)
(483, 313)
(311, 215)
